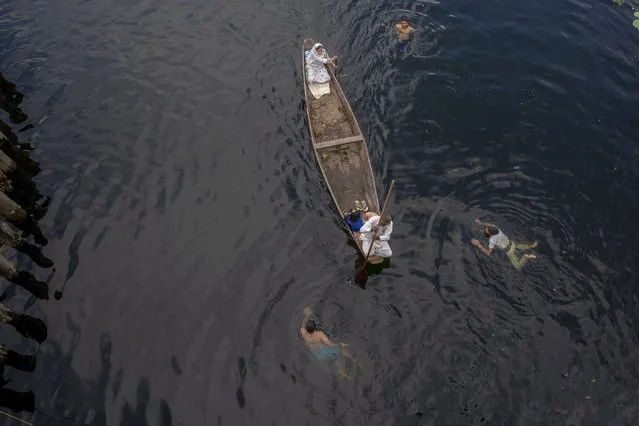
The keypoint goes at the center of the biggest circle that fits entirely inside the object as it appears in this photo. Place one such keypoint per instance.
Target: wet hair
(310, 326)
(355, 215)
(385, 220)
(491, 230)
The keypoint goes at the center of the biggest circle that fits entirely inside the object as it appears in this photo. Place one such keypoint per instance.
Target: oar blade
(361, 277)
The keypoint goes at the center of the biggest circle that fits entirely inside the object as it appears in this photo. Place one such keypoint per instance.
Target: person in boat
(406, 34)
(377, 230)
(323, 347)
(497, 239)
(355, 220)
(316, 59)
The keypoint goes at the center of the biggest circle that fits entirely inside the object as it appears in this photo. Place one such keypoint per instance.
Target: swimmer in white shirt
(498, 239)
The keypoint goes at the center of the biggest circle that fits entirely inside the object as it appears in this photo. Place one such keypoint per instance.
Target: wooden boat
(340, 149)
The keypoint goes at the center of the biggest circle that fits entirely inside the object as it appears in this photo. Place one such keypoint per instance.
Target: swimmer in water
(316, 339)
(498, 239)
(323, 347)
(406, 34)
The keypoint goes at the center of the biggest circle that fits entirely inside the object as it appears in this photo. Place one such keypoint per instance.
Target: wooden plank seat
(335, 142)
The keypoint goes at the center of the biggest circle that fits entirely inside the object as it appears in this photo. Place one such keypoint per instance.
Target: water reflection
(17, 401)
(10, 100)
(21, 206)
(187, 202)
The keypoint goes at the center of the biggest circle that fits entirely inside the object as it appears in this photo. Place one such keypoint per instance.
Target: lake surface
(189, 225)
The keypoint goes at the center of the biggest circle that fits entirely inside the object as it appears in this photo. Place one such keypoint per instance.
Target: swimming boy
(316, 339)
(325, 349)
(406, 33)
(497, 239)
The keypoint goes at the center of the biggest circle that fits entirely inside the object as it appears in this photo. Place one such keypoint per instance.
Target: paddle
(361, 277)
(333, 66)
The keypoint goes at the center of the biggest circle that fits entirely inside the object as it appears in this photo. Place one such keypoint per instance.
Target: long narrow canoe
(340, 148)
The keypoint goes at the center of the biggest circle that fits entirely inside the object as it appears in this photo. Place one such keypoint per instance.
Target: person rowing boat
(377, 231)
(316, 59)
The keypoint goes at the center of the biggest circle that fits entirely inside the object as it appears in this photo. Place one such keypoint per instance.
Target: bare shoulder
(326, 339)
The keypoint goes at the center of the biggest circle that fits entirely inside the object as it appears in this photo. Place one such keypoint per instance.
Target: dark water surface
(190, 226)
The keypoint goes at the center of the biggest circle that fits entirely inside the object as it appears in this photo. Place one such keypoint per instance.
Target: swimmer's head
(404, 23)
(489, 231)
(310, 326)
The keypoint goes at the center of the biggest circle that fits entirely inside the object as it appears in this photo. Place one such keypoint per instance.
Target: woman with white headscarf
(316, 59)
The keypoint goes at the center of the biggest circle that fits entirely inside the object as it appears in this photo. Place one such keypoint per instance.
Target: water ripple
(189, 219)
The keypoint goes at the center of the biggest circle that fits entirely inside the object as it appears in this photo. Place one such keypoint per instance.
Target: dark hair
(310, 326)
(491, 230)
(385, 220)
(355, 215)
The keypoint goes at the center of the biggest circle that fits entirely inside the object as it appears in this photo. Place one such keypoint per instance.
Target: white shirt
(384, 232)
(500, 240)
